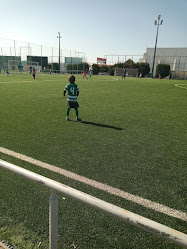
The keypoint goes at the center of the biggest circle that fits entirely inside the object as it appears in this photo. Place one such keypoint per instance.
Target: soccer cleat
(67, 118)
(78, 119)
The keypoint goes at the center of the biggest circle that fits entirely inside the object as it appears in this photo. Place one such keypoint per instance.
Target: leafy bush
(163, 70)
(144, 68)
(120, 65)
(20, 67)
(104, 69)
(96, 68)
(80, 66)
(55, 66)
(83, 66)
(111, 70)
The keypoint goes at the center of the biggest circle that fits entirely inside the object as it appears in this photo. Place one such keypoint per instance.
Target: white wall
(175, 57)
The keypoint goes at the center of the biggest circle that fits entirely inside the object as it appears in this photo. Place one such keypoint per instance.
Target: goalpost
(20, 67)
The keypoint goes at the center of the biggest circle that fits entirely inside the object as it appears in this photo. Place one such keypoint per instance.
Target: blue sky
(97, 27)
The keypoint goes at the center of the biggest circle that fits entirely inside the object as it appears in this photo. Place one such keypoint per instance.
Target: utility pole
(158, 23)
(59, 50)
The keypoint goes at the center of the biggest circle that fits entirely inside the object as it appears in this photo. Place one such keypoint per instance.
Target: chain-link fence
(177, 63)
(179, 75)
(116, 59)
(13, 49)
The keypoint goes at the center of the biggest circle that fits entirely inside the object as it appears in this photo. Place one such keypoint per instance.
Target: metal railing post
(53, 220)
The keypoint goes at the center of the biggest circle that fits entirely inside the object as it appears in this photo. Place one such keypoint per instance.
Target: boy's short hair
(71, 78)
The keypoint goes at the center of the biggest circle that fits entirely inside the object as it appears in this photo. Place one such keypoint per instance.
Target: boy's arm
(77, 91)
(65, 90)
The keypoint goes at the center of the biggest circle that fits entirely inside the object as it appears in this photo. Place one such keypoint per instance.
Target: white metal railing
(132, 218)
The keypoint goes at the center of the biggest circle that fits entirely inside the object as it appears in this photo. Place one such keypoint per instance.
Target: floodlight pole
(158, 23)
(59, 50)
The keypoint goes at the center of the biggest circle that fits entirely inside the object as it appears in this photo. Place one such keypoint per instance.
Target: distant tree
(96, 68)
(20, 67)
(72, 67)
(129, 63)
(69, 67)
(104, 69)
(83, 66)
(75, 67)
(136, 65)
(111, 70)
(120, 65)
(55, 66)
(163, 70)
(144, 68)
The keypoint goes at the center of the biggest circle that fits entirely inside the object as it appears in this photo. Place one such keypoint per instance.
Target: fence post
(53, 220)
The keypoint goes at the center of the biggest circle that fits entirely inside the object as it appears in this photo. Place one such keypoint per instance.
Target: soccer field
(132, 138)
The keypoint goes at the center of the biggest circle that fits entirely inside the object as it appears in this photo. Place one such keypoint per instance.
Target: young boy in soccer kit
(73, 93)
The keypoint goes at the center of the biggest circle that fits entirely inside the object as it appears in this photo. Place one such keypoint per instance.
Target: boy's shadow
(101, 125)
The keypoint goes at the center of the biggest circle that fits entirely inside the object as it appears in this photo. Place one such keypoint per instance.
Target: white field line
(104, 187)
(31, 81)
(181, 85)
(25, 81)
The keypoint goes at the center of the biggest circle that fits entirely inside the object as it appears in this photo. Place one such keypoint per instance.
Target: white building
(175, 57)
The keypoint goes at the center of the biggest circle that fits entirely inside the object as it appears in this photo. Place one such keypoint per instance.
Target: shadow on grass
(102, 125)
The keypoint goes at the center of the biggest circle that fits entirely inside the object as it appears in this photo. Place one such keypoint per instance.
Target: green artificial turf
(132, 137)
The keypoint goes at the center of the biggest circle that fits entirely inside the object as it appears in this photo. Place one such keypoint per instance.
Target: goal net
(17, 67)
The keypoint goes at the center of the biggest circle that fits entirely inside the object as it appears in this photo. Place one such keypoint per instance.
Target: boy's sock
(67, 112)
(77, 112)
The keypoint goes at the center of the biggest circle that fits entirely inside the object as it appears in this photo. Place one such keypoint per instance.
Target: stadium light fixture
(59, 50)
(158, 22)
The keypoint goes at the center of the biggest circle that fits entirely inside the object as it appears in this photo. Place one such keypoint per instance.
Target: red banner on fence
(101, 61)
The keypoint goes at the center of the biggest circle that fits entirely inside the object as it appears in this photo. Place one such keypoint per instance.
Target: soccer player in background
(124, 73)
(90, 72)
(73, 93)
(7, 72)
(33, 73)
(84, 75)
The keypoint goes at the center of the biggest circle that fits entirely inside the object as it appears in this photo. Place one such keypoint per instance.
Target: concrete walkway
(3, 246)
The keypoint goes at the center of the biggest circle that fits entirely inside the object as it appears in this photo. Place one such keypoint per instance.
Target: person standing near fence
(124, 73)
(33, 73)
